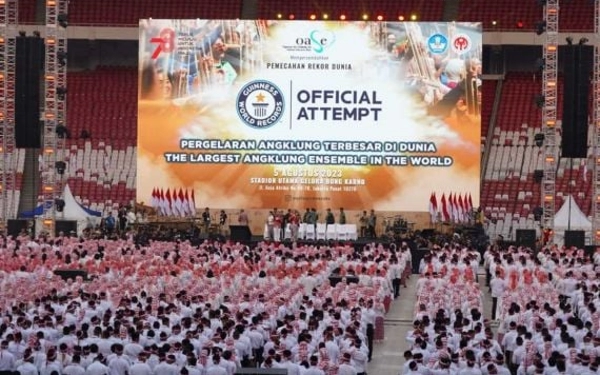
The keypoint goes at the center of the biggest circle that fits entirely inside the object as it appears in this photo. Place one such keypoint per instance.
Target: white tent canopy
(74, 211)
(570, 217)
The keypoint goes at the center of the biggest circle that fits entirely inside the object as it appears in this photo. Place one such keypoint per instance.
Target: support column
(596, 122)
(549, 113)
(54, 114)
(8, 61)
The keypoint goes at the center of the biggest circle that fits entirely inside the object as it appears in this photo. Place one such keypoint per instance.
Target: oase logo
(317, 40)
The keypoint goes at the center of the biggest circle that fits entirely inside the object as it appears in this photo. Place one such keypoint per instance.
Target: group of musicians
(279, 219)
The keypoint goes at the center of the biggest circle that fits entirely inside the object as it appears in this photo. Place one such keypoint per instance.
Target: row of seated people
(174, 308)
(574, 15)
(547, 306)
(448, 320)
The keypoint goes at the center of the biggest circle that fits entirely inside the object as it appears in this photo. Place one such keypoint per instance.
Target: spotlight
(365, 16)
(540, 100)
(279, 15)
(400, 18)
(292, 16)
(494, 23)
(380, 18)
(63, 20)
(325, 16)
(539, 139)
(313, 17)
(583, 41)
(413, 17)
(540, 27)
(520, 24)
(60, 166)
(60, 205)
(569, 40)
(343, 17)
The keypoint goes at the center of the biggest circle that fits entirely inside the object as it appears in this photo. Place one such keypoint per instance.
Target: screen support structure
(549, 113)
(8, 61)
(55, 107)
(596, 120)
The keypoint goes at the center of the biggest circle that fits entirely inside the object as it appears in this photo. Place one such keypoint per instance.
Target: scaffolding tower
(8, 61)
(54, 114)
(596, 122)
(549, 111)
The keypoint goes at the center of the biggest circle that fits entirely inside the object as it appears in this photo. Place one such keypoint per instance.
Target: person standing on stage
(206, 219)
(243, 218)
(294, 220)
(222, 221)
(372, 222)
(329, 218)
(342, 217)
(363, 221)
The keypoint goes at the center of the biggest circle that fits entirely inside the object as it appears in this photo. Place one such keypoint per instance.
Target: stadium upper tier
(506, 15)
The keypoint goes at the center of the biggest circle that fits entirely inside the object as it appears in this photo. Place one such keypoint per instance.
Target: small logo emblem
(437, 44)
(461, 44)
(260, 104)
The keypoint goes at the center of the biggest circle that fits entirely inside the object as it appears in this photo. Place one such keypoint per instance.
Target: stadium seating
(510, 192)
(516, 15)
(27, 11)
(390, 10)
(18, 163)
(101, 169)
(115, 12)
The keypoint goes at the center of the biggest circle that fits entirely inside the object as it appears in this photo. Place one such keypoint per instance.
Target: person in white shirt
(97, 367)
(312, 368)
(74, 368)
(345, 368)
(140, 367)
(497, 286)
(7, 359)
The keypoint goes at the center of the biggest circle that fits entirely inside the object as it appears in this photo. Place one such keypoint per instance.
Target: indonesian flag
(445, 215)
(153, 199)
(183, 204)
(452, 210)
(461, 209)
(193, 204)
(168, 203)
(186, 201)
(433, 209)
(162, 203)
(176, 205)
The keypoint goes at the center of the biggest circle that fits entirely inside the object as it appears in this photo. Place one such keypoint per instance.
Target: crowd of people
(545, 315)
(170, 307)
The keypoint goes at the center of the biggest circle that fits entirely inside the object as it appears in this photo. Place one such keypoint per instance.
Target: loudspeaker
(71, 274)
(240, 233)
(575, 238)
(526, 237)
(578, 66)
(15, 227)
(28, 75)
(67, 227)
(538, 175)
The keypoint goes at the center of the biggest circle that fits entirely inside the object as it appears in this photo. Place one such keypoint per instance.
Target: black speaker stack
(28, 77)
(578, 61)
